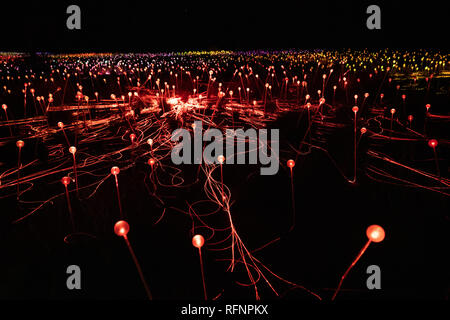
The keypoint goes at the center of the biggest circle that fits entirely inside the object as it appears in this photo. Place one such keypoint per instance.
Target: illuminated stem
(309, 126)
(69, 206)
(350, 267)
(354, 151)
(118, 196)
(293, 201)
(65, 136)
(152, 179)
(323, 88)
(437, 163)
(265, 99)
(392, 119)
(232, 247)
(19, 165)
(9, 127)
(203, 273)
(75, 172)
(35, 107)
(221, 182)
(138, 267)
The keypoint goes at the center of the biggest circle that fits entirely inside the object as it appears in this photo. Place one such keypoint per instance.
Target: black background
(413, 260)
(164, 25)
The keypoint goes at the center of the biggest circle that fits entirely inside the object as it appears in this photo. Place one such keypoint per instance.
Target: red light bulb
(20, 144)
(4, 106)
(115, 170)
(72, 150)
(221, 159)
(65, 181)
(151, 161)
(290, 163)
(363, 130)
(198, 241)
(355, 109)
(60, 124)
(432, 143)
(375, 233)
(392, 111)
(121, 228)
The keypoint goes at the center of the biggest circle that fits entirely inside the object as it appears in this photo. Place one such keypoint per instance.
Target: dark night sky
(164, 25)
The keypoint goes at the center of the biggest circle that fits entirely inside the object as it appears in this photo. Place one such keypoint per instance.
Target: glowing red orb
(363, 130)
(150, 141)
(291, 163)
(4, 106)
(121, 228)
(221, 159)
(410, 118)
(432, 143)
(60, 124)
(375, 233)
(20, 144)
(151, 161)
(355, 109)
(132, 137)
(115, 170)
(392, 111)
(65, 181)
(72, 150)
(428, 106)
(198, 241)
